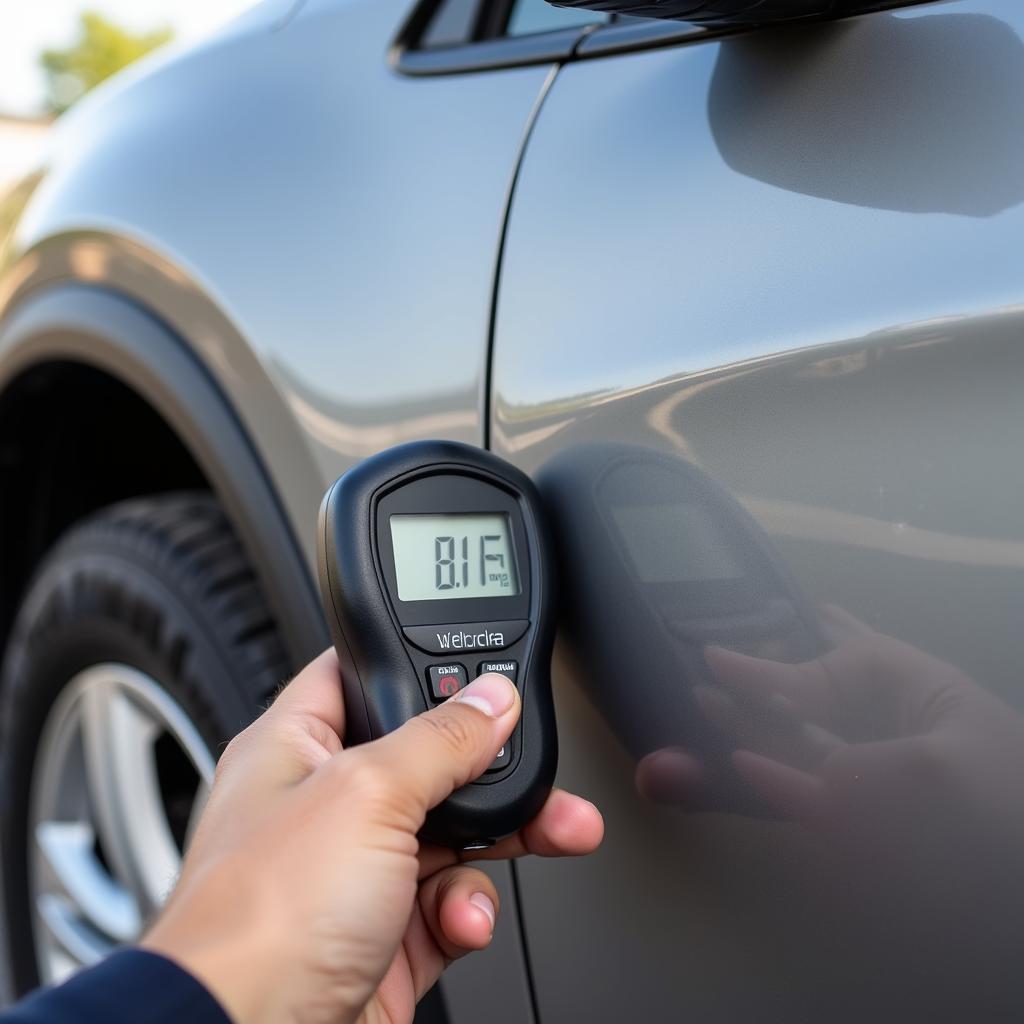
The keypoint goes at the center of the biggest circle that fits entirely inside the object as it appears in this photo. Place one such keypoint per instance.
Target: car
(739, 285)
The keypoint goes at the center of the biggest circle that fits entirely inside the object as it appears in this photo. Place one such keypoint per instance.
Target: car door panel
(789, 262)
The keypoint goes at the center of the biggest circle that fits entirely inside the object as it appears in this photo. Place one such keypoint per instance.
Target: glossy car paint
(322, 230)
(789, 259)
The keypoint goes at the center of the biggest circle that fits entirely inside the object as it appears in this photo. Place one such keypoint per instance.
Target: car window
(457, 22)
(530, 16)
(454, 23)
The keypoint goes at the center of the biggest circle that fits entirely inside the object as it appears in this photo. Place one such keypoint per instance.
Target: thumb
(435, 753)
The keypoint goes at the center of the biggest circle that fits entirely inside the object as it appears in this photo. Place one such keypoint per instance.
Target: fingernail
(492, 694)
(483, 901)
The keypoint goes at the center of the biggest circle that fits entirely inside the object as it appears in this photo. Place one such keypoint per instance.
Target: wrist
(228, 954)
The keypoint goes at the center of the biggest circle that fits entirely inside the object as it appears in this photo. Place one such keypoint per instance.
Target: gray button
(505, 668)
(466, 636)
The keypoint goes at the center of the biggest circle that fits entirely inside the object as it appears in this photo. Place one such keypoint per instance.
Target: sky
(26, 28)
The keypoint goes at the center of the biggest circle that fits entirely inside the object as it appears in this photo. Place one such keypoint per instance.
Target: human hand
(306, 897)
(883, 738)
(875, 743)
(903, 777)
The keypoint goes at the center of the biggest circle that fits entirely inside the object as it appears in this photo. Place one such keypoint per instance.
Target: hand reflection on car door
(733, 693)
(657, 563)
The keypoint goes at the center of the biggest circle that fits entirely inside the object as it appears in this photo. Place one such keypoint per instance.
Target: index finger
(314, 692)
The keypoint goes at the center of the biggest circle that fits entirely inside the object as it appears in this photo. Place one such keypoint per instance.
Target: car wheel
(141, 646)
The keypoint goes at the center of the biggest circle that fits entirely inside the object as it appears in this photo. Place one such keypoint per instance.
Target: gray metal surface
(791, 259)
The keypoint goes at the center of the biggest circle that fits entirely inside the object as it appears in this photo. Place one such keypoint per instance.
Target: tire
(144, 625)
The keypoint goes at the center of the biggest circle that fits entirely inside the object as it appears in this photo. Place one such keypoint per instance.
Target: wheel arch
(71, 343)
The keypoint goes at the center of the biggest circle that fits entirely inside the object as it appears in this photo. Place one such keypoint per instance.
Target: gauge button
(504, 758)
(505, 668)
(446, 680)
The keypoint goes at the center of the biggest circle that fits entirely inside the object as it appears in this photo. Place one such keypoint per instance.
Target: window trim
(624, 37)
(628, 36)
(602, 39)
(488, 50)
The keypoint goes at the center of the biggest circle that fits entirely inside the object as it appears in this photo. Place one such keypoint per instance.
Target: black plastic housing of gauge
(435, 566)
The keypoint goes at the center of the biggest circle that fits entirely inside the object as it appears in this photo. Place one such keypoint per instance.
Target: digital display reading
(438, 557)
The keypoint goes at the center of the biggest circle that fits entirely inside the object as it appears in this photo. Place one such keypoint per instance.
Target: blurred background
(54, 51)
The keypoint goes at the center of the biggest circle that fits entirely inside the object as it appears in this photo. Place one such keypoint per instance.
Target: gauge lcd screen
(453, 556)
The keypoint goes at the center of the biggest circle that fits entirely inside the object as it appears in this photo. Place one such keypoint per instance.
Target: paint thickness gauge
(435, 567)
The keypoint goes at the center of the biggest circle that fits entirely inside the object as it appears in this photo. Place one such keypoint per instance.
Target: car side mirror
(727, 12)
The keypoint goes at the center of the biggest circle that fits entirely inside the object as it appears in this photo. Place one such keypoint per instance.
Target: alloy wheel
(120, 777)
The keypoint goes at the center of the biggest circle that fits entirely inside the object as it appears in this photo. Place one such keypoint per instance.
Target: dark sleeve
(132, 986)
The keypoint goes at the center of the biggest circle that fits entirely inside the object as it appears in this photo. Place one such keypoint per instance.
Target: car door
(758, 334)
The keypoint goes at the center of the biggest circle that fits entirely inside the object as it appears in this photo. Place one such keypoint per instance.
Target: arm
(131, 987)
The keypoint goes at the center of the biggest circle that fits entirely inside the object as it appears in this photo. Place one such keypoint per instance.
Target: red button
(446, 680)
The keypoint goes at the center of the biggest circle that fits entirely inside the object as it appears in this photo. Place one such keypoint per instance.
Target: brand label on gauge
(467, 636)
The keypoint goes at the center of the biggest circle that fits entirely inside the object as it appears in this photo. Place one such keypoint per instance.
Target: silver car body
(791, 258)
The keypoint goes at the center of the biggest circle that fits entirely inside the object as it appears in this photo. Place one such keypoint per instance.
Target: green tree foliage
(101, 49)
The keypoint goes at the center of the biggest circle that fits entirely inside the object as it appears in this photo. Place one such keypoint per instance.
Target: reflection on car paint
(659, 562)
(733, 694)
